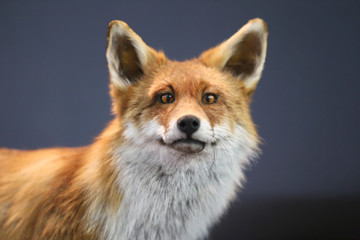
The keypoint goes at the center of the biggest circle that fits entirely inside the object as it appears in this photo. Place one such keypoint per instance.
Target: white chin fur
(152, 137)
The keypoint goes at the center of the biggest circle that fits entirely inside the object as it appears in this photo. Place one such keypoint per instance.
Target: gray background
(54, 92)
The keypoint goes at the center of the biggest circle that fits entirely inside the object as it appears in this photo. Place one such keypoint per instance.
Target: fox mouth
(187, 145)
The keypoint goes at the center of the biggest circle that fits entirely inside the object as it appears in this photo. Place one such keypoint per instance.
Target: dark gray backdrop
(53, 92)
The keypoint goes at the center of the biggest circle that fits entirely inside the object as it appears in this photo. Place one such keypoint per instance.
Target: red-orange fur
(49, 193)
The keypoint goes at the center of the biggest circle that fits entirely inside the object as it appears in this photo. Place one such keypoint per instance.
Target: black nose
(188, 124)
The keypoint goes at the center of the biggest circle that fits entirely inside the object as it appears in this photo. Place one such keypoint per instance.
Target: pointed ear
(127, 55)
(243, 54)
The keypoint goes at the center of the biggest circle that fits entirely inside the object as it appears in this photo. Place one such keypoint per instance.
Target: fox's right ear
(127, 55)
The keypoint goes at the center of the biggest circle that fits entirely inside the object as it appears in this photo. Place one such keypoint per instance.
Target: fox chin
(166, 167)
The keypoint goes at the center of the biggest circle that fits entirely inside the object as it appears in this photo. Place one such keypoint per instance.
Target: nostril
(182, 124)
(195, 124)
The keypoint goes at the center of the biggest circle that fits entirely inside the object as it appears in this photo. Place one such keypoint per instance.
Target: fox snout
(188, 125)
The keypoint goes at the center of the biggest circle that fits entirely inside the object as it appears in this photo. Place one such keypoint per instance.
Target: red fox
(166, 167)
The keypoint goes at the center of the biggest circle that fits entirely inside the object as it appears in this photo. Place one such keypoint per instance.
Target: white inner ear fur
(118, 29)
(226, 49)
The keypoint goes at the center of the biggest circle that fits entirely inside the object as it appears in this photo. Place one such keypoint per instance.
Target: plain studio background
(54, 92)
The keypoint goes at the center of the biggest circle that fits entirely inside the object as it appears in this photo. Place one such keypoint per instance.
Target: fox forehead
(189, 78)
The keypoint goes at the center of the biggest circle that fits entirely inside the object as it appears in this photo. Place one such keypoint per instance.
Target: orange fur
(49, 193)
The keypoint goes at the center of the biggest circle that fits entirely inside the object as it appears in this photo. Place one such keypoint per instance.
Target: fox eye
(167, 98)
(209, 98)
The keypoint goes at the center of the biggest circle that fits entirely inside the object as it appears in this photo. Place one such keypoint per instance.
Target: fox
(169, 163)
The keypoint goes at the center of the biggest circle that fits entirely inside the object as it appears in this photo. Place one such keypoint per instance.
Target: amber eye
(209, 98)
(167, 98)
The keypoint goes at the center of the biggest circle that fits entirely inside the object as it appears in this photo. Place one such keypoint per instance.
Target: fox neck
(160, 204)
(167, 201)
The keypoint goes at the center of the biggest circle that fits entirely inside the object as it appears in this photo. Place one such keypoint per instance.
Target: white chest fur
(174, 200)
(169, 195)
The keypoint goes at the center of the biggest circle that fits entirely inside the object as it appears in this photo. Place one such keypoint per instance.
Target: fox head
(187, 109)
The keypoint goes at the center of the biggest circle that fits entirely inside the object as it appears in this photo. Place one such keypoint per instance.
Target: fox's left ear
(243, 54)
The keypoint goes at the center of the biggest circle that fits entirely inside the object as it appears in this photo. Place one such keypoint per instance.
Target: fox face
(187, 109)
